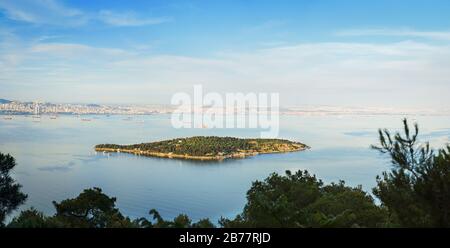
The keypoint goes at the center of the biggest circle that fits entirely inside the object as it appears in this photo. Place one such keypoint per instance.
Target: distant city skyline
(340, 53)
(8, 107)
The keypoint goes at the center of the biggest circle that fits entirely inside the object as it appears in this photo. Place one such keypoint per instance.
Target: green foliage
(91, 208)
(417, 189)
(33, 218)
(301, 200)
(203, 223)
(208, 145)
(10, 195)
(181, 221)
(434, 188)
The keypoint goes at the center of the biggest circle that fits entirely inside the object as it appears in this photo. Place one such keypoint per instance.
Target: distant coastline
(206, 148)
(10, 107)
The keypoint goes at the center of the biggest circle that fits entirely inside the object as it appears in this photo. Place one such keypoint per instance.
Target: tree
(90, 209)
(33, 218)
(94, 209)
(301, 200)
(10, 195)
(417, 189)
(181, 221)
(203, 223)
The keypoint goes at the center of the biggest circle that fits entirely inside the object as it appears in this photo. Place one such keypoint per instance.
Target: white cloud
(404, 32)
(363, 74)
(67, 51)
(53, 12)
(42, 12)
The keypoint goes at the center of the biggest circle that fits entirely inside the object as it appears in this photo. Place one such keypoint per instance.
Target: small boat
(7, 118)
(85, 119)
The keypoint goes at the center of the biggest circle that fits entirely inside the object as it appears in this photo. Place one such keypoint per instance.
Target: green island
(206, 147)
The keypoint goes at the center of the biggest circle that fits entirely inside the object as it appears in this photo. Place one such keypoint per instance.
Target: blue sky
(312, 52)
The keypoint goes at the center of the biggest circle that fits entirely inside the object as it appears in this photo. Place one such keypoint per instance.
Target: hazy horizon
(310, 107)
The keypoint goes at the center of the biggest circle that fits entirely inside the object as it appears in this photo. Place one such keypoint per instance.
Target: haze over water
(56, 160)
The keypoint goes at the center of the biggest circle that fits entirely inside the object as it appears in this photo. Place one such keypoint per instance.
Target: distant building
(37, 109)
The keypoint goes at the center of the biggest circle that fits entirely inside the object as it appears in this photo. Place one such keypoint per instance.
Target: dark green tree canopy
(417, 189)
(181, 221)
(301, 200)
(94, 209)
(10, 195)
(91, 208)
(33, 218)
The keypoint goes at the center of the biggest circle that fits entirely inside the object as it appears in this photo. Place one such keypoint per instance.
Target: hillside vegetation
(206, 147)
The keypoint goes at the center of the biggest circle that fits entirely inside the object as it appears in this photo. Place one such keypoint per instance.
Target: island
(206, 147)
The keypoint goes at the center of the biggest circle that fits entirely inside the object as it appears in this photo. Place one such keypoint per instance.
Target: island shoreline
(191, 157)
(233, 148)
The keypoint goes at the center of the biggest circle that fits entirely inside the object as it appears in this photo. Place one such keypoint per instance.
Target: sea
(56, 159)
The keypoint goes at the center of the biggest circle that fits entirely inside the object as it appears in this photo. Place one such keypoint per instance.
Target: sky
(380, 53)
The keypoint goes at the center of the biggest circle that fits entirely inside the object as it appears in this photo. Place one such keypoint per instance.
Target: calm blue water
(56, 160)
